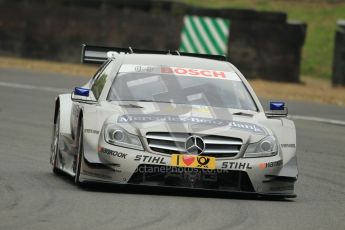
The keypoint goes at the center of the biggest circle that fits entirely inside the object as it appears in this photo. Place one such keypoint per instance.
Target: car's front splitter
(234, 182)
(99, 182)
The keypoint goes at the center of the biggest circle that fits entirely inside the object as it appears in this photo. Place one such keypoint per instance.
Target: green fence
(205, 35)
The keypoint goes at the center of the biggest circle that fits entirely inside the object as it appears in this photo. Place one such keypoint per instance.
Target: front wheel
(80, 156)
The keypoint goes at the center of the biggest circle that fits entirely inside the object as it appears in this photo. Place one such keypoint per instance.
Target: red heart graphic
(188, 160)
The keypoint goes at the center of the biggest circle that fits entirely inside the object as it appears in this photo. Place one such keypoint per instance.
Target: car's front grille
(157, 175)
(172, 143)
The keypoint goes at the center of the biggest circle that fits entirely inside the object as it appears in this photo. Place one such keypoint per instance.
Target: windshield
(185, 88)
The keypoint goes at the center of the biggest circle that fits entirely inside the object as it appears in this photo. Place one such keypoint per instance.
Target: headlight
(264, 148)
(116, 135)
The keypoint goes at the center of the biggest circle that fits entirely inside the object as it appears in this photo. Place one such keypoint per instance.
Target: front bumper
(258, 176)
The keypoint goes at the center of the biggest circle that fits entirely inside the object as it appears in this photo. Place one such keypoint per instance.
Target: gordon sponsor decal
(271, 164)
(151, 159)
(109, 152)
(236, 165)
(140, 118)
(288, 145)
(92, 131)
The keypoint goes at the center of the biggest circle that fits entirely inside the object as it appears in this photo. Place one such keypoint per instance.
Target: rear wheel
(54, 158)
(80, 156)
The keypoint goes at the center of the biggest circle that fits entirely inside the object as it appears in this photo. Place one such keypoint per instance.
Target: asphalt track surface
(32, 197)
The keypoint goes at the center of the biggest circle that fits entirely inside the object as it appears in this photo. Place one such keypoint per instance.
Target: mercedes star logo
(195, 145)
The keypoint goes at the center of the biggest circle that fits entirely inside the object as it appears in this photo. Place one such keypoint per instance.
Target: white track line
(317, 119)
(34, 87)
(62, 90)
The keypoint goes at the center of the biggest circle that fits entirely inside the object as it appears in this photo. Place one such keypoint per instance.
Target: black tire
(54, 158)
(80, 155)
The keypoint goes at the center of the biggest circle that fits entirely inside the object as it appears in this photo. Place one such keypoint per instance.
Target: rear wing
(99, 54)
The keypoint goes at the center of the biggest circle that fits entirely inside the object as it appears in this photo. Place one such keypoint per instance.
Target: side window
(100, 70)
(99, 82)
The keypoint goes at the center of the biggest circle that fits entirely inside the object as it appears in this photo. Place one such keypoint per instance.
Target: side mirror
(277, 109)
(82, 95)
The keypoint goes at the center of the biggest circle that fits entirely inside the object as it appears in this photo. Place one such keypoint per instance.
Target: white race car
(172, 119)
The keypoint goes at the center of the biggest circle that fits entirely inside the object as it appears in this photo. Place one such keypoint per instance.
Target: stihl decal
(236, 165)
(150, 159)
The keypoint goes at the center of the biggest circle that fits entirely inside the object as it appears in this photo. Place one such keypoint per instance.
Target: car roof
(176, 61)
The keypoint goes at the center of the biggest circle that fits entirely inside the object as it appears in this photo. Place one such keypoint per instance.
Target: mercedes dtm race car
(172, 119)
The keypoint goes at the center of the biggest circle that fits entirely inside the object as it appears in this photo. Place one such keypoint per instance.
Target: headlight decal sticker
(247, 126)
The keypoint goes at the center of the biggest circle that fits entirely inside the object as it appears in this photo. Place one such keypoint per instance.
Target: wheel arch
(80, 120)
(64, 104)
(57, 107)
(285, 130)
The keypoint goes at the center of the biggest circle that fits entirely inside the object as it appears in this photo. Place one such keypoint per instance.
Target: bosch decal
(193, 72)
(180, 71)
